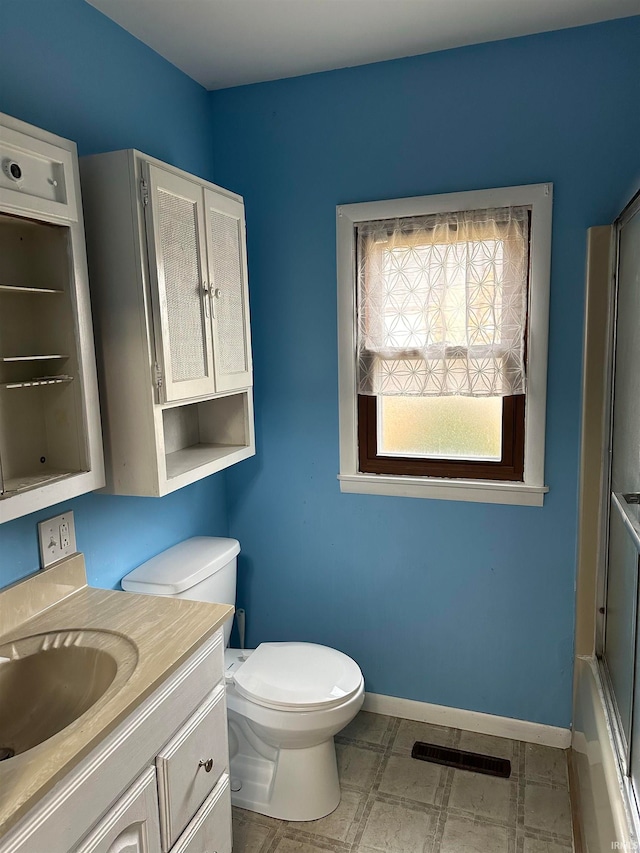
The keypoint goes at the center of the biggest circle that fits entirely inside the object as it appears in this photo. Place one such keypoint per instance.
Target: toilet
(285, 701)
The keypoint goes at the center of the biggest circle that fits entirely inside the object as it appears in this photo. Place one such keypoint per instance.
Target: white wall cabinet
(167, 254)
(50, 439)
(146, 788)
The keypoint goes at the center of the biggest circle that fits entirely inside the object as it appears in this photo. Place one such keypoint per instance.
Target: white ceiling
(223, 43)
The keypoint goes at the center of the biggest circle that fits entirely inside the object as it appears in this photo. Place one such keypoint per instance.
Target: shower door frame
(622, 746)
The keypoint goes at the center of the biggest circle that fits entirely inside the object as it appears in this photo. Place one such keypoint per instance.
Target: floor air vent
(461, 759)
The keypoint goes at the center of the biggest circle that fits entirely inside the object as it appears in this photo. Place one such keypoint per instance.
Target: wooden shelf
(15, 485)
(198, 455)
(37, 382)
(16, 288)
(15, 358)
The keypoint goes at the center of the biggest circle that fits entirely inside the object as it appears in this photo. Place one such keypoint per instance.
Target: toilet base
(297, 784)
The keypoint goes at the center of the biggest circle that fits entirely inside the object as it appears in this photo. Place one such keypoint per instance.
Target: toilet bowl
(283, 760)
(285, 701)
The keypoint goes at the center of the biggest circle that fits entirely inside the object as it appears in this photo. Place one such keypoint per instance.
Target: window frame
(509, 468)
(530, 490)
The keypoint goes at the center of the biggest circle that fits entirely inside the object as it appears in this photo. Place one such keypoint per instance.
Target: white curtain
(442, 304)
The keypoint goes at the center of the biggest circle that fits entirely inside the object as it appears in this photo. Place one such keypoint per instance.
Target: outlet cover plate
(57, 537)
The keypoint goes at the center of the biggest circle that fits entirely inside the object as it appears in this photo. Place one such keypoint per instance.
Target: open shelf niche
(41, 407)
(208, 433)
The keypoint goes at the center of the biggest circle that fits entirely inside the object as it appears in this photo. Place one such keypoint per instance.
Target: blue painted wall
(67, 68)
(467, 605)
(461, 604)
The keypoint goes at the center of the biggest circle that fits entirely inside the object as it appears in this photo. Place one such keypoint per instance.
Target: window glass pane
(441, 427)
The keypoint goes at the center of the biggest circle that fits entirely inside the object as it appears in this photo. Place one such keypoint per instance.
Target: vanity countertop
(162, 634)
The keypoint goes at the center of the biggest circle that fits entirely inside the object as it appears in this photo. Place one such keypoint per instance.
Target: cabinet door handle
(217, 293)
(208, 765)
(205, 294)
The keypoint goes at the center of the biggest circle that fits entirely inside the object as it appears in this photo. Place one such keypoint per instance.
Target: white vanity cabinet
(50, 438)
(159, 783)
(168, 269)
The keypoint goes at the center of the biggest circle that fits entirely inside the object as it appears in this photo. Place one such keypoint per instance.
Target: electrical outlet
(65, 539)
(57, 537)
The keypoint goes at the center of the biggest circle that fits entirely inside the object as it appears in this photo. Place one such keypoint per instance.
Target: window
(443, 315)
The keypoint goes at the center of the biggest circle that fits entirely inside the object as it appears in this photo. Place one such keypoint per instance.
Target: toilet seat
(297, 677)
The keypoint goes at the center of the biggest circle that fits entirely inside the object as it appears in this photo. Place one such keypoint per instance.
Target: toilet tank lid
(182, 566)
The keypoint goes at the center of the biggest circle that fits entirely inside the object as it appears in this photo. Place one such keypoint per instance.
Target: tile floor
(392, 803)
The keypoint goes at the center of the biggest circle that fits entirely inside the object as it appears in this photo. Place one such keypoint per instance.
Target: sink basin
(48, 681)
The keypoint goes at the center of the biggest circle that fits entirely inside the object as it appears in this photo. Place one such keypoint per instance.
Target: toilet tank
(202, 569)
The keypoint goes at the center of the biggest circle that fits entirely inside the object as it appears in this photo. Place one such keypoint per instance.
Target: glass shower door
(621, 637)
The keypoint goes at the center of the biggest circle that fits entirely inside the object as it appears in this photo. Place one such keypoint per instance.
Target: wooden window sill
(478, 491)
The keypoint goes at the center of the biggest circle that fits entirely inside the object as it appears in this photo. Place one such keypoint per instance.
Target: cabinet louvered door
(227, 260)
(176, 236)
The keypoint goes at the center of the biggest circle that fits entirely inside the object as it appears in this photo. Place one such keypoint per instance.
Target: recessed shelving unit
(41, 421)
(50, 435)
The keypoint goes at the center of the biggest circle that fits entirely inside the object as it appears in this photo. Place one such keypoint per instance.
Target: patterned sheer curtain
(442, 304)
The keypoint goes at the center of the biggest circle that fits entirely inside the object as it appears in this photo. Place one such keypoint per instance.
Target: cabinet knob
(217, 293)
(208, 764)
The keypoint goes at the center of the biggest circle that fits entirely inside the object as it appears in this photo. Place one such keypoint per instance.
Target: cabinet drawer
(132, 824)
(210, 830)
(183, 779)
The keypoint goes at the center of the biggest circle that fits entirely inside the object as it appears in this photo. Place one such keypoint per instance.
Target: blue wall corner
(69, 69)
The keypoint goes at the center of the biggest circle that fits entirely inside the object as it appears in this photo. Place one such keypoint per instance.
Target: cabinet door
(131, 826)
(210, 829)
(227, 257)
(179, 284)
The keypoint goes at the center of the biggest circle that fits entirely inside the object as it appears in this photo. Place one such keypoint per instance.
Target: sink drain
(6, 752)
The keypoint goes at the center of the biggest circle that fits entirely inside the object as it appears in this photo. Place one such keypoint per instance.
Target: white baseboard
(470, 721)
